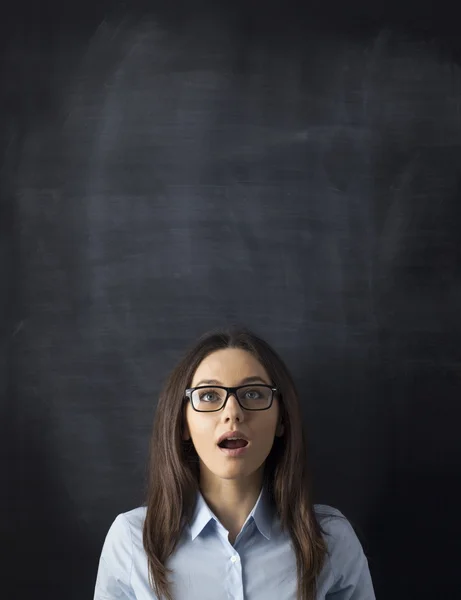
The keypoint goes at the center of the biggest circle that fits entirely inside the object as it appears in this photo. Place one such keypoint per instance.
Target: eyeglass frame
(231, 391)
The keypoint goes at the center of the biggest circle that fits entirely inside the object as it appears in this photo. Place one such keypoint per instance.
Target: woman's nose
(232, 404)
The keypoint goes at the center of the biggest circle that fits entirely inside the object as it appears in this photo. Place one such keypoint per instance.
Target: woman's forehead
(229, 366)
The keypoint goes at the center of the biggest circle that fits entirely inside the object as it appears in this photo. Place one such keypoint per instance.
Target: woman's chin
(231, 470)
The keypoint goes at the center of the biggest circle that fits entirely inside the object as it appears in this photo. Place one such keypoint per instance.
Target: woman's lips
(234, 452)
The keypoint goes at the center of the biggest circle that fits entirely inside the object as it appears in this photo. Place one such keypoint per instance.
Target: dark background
(167, 169)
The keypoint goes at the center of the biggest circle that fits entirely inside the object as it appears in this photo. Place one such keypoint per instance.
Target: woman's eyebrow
(208, 382)
(252, 379)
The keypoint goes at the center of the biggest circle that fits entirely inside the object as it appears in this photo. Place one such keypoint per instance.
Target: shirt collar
(261, 514)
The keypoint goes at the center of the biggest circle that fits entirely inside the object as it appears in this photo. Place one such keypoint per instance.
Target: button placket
(235, 589)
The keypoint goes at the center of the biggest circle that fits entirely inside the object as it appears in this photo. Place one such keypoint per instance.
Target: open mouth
(231, 444)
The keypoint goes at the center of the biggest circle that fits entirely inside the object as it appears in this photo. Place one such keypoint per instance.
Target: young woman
(229, 510)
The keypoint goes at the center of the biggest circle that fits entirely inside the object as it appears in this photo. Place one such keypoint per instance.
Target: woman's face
(231, 367)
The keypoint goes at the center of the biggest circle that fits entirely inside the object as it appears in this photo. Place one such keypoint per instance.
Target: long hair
(173, 476)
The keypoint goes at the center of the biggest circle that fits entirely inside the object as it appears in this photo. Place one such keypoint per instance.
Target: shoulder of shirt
(344, 547)
(334, 523)
(125, 531)
(131, 523)
(326, 513)
(135, 517)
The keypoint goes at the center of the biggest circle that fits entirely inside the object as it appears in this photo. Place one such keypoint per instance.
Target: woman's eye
(252, 395)
(208, 397)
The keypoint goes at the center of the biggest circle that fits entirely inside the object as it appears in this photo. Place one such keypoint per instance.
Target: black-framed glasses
(255, 396)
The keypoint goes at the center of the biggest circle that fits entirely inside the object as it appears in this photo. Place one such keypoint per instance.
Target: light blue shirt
(261, 565)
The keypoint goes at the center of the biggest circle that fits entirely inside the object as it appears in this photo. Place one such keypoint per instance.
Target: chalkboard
(169, 169)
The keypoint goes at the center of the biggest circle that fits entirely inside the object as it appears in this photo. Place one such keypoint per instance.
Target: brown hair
(173, 474)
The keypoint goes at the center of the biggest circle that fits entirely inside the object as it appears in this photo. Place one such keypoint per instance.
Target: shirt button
(234, 559)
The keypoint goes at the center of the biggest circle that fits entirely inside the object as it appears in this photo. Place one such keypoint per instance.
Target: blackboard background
(170, 168)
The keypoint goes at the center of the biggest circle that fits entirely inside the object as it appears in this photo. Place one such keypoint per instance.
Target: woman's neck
(231, 500)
